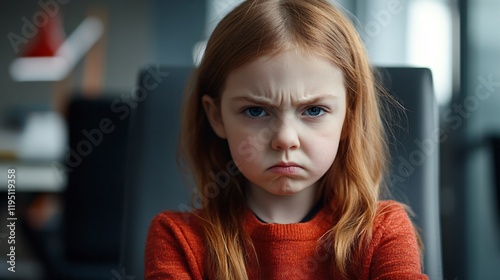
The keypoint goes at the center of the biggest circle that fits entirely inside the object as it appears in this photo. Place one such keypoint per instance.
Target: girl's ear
(214, 116)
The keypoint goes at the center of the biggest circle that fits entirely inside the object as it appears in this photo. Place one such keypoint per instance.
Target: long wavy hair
(351, 186)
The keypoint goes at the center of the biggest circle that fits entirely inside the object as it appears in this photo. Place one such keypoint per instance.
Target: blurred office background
(458, 39)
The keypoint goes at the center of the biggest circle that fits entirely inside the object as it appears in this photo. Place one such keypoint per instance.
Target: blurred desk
(33, 177)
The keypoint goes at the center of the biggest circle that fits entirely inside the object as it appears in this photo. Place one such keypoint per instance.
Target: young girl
(285, 107)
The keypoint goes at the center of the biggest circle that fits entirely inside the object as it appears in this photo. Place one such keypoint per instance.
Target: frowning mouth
(286, 168)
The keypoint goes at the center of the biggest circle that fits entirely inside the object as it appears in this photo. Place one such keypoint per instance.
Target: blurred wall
(139, 33)
(481, 103)
(129, 45)
(177, 27)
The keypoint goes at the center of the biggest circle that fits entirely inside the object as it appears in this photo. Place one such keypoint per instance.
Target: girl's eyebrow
(268, 102)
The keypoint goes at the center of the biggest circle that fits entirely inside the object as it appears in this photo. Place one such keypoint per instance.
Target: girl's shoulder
(391, 213)
(177, 227)
(394, 238)
(174, 246)
(391, 209)
(387, 206)
(392, 223)
(188, 221)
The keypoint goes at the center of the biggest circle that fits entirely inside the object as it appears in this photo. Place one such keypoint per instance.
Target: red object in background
(49, 38)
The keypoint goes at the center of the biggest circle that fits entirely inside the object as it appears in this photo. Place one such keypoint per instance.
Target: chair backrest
(414, 176)
(154, 182)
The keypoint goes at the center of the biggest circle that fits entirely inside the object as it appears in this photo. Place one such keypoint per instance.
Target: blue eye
(314, 111)
(255, 112)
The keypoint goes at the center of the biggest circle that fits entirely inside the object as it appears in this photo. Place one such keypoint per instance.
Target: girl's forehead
(288, 75)
(287, 66)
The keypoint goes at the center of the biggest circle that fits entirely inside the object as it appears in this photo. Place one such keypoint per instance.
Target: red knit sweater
(175, 248)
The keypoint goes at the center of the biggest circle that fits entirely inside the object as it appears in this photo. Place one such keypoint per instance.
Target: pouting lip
(286, 164)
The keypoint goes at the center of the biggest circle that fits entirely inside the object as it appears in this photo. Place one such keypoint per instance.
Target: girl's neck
(280, 209)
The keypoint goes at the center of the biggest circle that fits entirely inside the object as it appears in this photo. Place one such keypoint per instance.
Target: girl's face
(282, 117)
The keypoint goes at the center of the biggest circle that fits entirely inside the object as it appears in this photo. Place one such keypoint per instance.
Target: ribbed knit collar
(310, 230)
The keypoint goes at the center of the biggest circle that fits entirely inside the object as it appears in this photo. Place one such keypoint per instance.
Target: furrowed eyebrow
(267, 102)
(256, 100)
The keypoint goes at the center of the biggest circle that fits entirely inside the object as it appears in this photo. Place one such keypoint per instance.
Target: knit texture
(175, 248)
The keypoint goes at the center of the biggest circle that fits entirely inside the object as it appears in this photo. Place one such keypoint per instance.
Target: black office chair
(155, 183)
(414, 144)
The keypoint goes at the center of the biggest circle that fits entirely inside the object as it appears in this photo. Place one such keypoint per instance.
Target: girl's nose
(285, 137)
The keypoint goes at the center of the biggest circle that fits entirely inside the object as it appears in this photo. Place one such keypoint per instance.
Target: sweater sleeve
(397, 255)
(169, 254)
